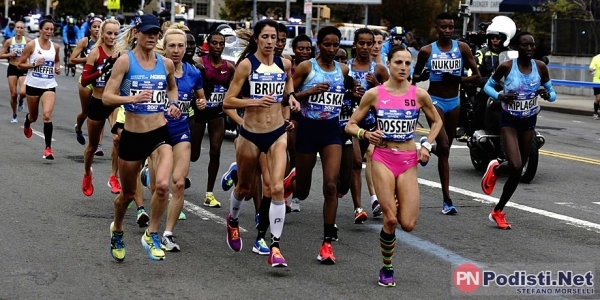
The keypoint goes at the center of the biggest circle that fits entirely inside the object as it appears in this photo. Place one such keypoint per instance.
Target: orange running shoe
(499, 217)
(287, 184)
(48, 153)
(360, 216)
(87, 186)
(275, 259)
(488, 182)
(326, 254)
(114, 184)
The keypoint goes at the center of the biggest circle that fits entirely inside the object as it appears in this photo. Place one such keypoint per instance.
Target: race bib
(397, 124)
(446, 63)
(262, 84)
(44, 71)
(345, 112)
(216, 98)
(525, 105)
(18, 49)
(328, 104)
(158, 101)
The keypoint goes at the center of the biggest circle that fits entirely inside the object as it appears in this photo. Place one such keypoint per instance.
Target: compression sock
(387, 241)
(48, 128)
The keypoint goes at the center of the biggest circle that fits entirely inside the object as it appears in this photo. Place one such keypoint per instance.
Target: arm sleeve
(551, 91)
(89, 75)
(490, 88)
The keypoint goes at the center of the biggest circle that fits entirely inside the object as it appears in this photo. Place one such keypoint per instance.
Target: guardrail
(582, 87)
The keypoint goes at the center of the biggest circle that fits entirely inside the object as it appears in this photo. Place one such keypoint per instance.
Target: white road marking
(580, 207)
(575, 121)
(489, 199)
(204, 214)
(596, 203)
(39, 134)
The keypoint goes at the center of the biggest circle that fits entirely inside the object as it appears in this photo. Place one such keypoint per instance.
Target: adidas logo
(184, 136)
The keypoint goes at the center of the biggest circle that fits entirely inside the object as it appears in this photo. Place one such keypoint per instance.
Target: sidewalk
(570, 104)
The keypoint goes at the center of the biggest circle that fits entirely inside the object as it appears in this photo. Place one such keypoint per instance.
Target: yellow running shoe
(211, 201)
(151, 243)
(117, 245)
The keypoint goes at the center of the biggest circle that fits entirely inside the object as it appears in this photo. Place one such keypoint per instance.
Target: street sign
(307, 7)
(114, 4)
(369, 2)
(485, 6)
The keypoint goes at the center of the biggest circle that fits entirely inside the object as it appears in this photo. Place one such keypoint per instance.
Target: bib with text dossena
(446, 63)
(17, 48)
(159, 98)
(326, 105)
(263, 84)
(45, 70)
(216, 98)
(524, 106)
(397, 125)
(345, 112)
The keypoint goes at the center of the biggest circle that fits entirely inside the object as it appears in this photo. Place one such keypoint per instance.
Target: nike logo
(385, 101)
(223, 72)
(337, 78)
(533, 84)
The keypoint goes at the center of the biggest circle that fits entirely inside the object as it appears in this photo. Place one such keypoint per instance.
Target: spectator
(9, 31)
(411, 41)
(596, 79)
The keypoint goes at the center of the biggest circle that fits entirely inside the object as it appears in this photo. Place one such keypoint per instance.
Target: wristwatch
(426, 145)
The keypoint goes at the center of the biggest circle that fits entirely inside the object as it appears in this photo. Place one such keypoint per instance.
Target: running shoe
(27, 130)
(499, 217)
(14, 119)
(386, 277)
(211, 201)
(595, 116)
(260, 247)
(234, 240)
(48, 154)
(99, 151)
(188, 183)
(20, 106)
(114, 184)
(360, 216)
(376, 208)
(326, 254)
(181, 216)
(295, 205)
(117, 245)
(87, 185)
(168, 244)
(488, 182)
(275, 259)
(448, 209)
(423, 140)
(145, 176)
(229, 179)
(142, 218)
(152, 244)
(79, 136)
(256, 220)
(288, 189)
(288, 207)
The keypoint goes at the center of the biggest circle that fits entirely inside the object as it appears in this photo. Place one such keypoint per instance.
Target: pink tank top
(397, 115)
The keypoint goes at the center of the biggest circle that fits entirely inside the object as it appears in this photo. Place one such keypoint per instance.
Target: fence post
(553, 35)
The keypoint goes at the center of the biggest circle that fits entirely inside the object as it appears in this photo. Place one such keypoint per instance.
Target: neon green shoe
(151, 243)
(117, 245)
(211, 201)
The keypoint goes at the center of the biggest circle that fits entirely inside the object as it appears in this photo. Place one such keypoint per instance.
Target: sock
(276, 220)
(209, 193)
(596, 105)
(167, 233)
(14, 116)
(236, 206)
(329, 232)
(27, 122)
(387, 241)
(48, 128)
(264, 221)
(373, 199)
(448, 201)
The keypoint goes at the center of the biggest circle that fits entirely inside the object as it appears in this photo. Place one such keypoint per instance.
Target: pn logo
(467, 278)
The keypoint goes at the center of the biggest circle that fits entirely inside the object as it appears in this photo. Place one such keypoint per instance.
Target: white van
(294, 30)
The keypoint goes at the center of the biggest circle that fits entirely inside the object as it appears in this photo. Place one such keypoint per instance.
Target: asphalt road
(56, 240)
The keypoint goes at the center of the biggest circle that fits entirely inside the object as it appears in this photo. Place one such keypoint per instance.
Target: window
(201, 9)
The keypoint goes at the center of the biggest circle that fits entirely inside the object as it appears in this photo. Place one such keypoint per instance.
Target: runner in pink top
(395, 158)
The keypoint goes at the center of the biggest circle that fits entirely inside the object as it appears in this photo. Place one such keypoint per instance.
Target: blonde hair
(162, 44)
(126, 40)
(179, 26)
(100, 40)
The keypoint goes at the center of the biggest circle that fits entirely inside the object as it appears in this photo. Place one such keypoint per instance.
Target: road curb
(567, 110)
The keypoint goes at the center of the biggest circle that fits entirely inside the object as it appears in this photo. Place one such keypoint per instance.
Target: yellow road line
(549, 153)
